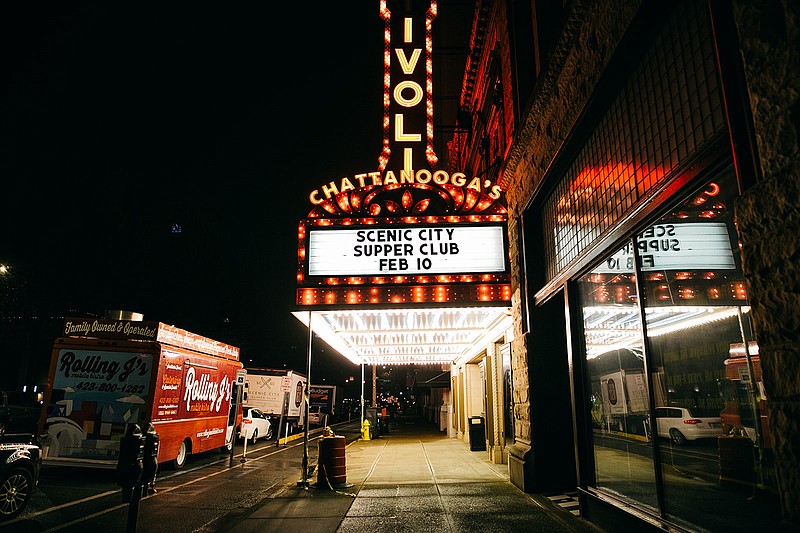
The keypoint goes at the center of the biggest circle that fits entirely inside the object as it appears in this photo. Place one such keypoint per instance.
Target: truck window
(21, 398)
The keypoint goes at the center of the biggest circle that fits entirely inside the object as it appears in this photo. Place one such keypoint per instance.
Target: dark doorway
(553, 446)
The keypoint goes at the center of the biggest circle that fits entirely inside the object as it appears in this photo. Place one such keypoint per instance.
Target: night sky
(157, 159)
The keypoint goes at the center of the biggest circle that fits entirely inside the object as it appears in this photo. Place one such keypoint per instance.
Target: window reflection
(612, 329)
(688, 345)
(710, 404)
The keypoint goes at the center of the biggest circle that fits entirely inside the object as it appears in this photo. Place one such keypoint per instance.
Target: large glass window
(678, 403)
(612, 325)
(711, 421)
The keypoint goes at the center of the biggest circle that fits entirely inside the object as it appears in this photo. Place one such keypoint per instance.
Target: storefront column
(518, 452)
(769, 226)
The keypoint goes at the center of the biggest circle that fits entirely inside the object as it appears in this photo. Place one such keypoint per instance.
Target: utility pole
(307, 399)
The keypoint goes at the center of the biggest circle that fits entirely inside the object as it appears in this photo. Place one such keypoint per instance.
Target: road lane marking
(160, 491)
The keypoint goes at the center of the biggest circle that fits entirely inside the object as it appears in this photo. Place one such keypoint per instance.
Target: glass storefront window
(681, 340)
(711, 420)
(623, 457)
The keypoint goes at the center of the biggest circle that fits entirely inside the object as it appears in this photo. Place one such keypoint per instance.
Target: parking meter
(150, 459)
(129, 466)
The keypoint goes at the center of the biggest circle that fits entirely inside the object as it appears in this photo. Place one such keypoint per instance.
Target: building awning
(451, 335)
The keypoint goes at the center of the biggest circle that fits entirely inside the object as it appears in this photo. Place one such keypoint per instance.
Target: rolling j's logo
(205, 390)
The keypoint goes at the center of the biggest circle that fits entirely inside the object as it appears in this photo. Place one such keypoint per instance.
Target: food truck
(107, 374)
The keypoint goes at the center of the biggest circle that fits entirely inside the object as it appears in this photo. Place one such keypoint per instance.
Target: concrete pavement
(413, 479)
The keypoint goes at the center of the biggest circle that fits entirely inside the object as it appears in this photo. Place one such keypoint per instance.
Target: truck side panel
(95, 391)
(192, 401)
(265, 390)
(329, 398)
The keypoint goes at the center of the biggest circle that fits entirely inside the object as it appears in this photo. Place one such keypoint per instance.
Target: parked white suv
(680, 424)
(255, 425)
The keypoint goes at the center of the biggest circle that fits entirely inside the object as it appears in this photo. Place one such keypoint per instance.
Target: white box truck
(279, 394)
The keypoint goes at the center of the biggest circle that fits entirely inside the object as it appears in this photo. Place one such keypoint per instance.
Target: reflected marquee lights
(676, 246)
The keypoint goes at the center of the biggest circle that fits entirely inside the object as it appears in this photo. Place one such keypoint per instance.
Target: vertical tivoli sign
(407, 130)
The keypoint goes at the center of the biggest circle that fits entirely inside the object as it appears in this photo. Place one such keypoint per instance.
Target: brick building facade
(607, 123)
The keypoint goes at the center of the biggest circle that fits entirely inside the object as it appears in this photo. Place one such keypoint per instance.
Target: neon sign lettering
(408, 95)
(422, 176)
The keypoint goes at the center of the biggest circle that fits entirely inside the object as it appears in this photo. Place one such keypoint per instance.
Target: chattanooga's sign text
(404, 177)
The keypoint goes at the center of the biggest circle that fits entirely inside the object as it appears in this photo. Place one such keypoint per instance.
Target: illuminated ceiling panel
(409, 336)
(610, 327)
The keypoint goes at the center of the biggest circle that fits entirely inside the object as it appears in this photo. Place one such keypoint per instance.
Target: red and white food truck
(106, 374)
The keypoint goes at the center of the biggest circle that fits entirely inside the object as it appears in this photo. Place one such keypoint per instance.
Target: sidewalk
(413, 479)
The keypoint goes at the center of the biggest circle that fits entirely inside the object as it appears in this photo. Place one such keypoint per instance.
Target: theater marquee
(411, 230)
(406, 262)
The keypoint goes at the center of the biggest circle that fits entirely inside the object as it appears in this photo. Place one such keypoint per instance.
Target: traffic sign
(744, 374)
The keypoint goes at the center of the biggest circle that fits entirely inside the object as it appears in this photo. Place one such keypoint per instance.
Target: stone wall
(769, 222)
(593, 31)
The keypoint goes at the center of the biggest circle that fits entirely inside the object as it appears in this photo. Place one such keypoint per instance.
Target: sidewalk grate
(568, 502)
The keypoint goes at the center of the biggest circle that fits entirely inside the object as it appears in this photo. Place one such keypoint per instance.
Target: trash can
(477, 434)
(332, 470)
(371, 414)
(736, 461)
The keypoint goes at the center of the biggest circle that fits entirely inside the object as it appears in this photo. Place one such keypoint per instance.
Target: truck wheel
(254, 437)
(180, 461)
(269, 433)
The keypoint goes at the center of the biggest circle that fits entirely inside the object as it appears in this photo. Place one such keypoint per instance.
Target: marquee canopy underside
(409, 336)
(452, 336)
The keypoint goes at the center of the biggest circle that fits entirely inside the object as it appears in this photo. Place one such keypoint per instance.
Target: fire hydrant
(365, 430)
